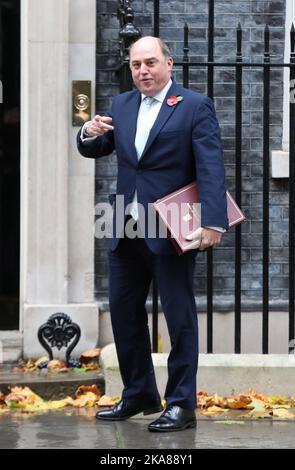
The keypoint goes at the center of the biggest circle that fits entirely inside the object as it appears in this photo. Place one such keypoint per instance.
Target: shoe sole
(150, 411)
(187, 426)
(100, 418)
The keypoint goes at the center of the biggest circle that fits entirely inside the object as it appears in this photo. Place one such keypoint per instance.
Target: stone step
(271, 374)
(49, 385)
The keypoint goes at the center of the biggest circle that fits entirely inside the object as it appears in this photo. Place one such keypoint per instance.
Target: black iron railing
(239, 66)
(292, 195)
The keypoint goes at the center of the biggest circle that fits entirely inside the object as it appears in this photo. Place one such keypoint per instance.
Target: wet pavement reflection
(74, 429)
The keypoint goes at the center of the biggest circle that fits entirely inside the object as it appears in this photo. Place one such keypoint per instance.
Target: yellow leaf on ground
(22, 396)
(202, 399)
(83, 389)
(56, 404)
(50, 405)
(253, 393)
(105, 400)
(238, 403)
(257, 405)
(213, 410)
(88, 399)
(87, 396)
(31, 364)
(273, 407)
(282, 413)
(206, 401)
(219, 401)
(258, 409)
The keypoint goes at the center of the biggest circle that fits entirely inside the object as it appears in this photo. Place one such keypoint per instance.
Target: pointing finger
(106, 119)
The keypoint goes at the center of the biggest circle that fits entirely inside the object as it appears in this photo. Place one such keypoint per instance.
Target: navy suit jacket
(183, 145)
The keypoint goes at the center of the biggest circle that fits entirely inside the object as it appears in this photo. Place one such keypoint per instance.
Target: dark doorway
(9, 163)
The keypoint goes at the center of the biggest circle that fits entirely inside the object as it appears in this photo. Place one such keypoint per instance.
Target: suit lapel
(130, 114)
(163, 116)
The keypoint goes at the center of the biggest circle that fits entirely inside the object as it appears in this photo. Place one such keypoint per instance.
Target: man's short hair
(163, 46)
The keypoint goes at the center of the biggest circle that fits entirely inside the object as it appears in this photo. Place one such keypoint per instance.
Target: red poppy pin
(173, 100)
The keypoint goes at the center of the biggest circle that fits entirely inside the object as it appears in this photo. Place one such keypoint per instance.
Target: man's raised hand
(99, 126)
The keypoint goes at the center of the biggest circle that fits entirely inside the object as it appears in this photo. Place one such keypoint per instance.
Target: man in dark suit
(165, 136)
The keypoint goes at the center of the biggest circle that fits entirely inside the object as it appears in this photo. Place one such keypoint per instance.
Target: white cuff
(83, 137)
(218, 229)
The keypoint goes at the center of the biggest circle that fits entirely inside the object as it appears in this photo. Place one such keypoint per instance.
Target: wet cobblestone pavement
(74, 429)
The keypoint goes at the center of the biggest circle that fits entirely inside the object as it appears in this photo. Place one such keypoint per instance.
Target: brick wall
(253, 15)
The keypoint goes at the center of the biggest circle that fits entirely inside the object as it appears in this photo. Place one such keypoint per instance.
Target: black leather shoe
(174, 418)
(127, 408)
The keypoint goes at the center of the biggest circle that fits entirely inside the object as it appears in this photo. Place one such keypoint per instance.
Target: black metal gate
(127, 35)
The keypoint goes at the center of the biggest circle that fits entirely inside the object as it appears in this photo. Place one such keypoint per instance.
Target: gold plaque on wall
(81, 102)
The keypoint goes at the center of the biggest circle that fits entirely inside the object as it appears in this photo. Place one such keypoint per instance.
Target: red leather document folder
(180, 212)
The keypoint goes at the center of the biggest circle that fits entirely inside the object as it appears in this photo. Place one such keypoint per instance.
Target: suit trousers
(132, 266)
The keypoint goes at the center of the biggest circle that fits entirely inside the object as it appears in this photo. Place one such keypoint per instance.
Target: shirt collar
(161, 95)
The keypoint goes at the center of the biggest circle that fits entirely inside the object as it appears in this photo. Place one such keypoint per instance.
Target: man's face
(151, 70)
